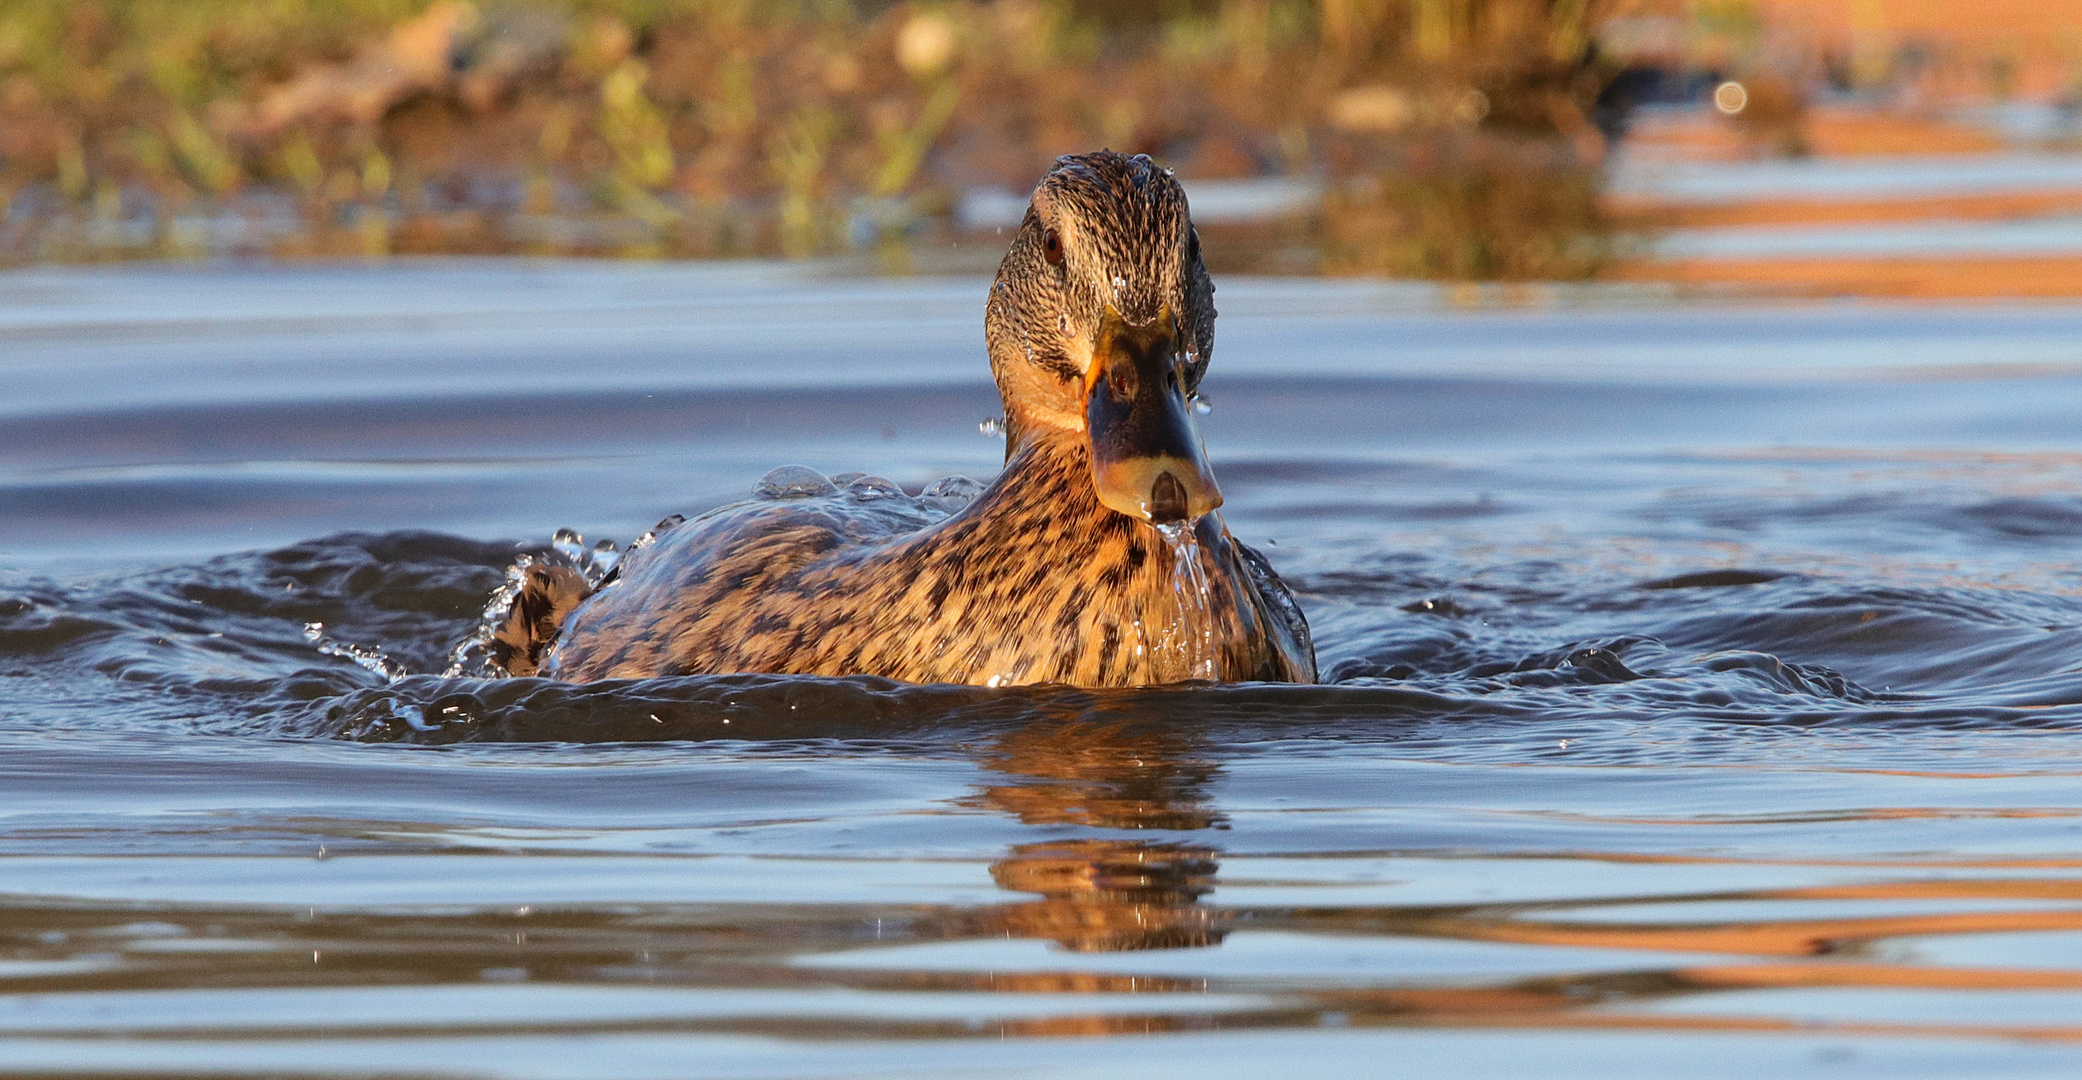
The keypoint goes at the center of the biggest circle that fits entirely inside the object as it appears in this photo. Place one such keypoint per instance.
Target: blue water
(1708, 696)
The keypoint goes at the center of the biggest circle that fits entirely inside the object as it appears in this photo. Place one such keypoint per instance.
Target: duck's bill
(1147, 460)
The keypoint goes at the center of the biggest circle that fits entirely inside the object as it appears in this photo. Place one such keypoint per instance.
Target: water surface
(1706, 697)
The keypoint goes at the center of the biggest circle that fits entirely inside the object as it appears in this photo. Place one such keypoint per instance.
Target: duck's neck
(1049, 475)
(1116, 599)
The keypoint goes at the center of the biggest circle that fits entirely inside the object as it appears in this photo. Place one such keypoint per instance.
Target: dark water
(1707, 698)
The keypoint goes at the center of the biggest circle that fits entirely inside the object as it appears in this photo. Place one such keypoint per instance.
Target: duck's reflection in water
(1104, 894)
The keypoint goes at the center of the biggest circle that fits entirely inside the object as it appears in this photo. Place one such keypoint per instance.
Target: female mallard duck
(1094, 559)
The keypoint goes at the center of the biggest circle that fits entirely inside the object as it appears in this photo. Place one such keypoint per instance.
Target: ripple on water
(1655, 668)
(1681, 727)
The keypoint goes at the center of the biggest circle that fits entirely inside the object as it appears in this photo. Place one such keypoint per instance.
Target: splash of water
(472, 656)
(366, 656)
(1184, 647)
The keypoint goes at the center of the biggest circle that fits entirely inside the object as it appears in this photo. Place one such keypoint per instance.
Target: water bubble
(871, 488)
(569, 543)
(950, 493)
(953, 487)
(793, 482)
(1201, 405)
(845, 479)
(994, 427)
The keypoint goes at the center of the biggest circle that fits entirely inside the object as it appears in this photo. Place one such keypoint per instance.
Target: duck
(1096, 558)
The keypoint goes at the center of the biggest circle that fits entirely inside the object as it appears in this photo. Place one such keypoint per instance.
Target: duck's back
(743, 567)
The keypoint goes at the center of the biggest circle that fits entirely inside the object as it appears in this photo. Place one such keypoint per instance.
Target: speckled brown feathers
(1035, 580)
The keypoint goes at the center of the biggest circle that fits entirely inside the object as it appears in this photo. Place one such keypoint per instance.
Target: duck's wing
(1288, 623)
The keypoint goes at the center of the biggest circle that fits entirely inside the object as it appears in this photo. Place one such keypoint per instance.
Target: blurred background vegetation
(1454, 139)
(719, 127)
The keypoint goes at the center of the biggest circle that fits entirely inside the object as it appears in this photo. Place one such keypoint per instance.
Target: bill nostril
(1167, 499)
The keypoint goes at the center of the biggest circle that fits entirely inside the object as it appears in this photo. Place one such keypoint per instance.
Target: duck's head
(1100, 324)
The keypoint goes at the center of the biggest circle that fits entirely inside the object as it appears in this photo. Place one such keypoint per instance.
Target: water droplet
(793, 482)
(1119, 283)
(649, 538)
(1201, 405)
(1062, 323)
(994, 427)
(364, 656)
(601, 561)
(569, 543)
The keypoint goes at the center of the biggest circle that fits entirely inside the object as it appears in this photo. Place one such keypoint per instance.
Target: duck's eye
(1052, 247)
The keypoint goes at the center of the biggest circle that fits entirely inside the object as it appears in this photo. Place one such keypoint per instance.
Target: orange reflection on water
(1104, 894)
(1978, 277)
(1114, 776)
(1110, 894)
(1792, 937)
